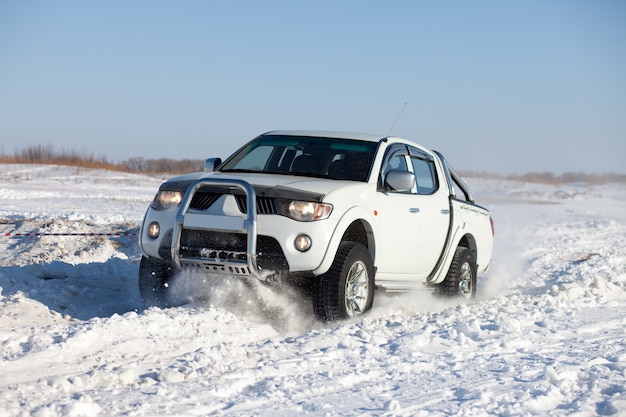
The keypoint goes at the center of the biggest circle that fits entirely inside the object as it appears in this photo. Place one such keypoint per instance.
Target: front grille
(231, 246)
(264, 205)
(203, 200)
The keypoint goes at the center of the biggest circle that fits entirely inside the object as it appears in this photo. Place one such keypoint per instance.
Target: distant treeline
(47, 155)
(551, 178)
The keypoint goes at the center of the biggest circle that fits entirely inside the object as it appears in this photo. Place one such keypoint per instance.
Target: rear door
(434, 205)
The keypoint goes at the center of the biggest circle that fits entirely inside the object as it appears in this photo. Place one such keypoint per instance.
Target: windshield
(341, 159)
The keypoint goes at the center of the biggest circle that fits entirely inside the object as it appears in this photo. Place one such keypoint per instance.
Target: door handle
(414, 210)
(444, 211)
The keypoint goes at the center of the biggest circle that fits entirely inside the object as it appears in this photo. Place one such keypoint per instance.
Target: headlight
(154, 229)
(306, 211)
(167, 199)
(302, 243)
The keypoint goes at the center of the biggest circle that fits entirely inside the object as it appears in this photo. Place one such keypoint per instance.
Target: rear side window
(424, 175)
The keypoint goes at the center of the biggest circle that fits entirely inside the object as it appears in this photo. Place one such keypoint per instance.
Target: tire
(347, 289)
(154, 280)
(460, 281)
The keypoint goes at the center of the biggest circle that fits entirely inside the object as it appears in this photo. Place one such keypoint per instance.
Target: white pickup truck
(344, 213)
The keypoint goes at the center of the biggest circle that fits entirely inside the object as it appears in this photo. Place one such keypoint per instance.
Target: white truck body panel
(411, 237)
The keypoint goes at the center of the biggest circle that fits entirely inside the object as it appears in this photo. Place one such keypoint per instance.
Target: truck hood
(270, 185)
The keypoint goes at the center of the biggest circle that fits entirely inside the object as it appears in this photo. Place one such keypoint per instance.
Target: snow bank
(546, 335)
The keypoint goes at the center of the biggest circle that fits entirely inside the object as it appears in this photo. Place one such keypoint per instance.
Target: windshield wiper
(296, 173)
(247, 171)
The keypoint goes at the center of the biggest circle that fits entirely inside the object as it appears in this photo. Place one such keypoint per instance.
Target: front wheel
(347, 289)
(461, 278)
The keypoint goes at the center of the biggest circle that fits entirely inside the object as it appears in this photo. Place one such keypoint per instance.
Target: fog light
(303, 243)
(153, 230)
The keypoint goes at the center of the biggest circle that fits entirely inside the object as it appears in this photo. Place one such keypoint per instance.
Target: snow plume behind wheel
(154, 282)
(347, 289)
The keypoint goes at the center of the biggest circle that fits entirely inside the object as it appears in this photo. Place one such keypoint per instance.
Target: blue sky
(500, 86)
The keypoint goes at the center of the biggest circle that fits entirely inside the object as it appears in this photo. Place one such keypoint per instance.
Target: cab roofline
(327, 134)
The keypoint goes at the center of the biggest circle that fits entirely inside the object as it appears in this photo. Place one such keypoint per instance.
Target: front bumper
(216, 263)
(226, 239)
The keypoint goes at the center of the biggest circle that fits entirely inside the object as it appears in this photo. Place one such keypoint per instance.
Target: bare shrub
(47, 155)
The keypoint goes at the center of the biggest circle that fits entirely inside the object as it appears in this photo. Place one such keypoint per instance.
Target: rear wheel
(460, 280)
(154, 282)
(347, 289)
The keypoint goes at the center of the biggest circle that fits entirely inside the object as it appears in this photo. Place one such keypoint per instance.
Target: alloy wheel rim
(465, 288)
(356, 291)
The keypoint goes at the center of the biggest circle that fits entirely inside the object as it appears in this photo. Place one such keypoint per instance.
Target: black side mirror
(211, 164)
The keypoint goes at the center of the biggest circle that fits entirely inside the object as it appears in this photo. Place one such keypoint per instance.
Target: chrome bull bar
(239, 224)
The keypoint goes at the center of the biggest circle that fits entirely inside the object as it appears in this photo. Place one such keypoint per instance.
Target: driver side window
(396, 160)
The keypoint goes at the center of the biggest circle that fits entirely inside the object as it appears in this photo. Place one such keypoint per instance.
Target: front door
(413, 223)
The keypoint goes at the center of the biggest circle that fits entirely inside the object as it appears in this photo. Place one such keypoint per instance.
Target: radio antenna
(397, 118)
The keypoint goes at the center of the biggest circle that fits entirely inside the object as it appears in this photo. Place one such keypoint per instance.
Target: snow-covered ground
(546, 336)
